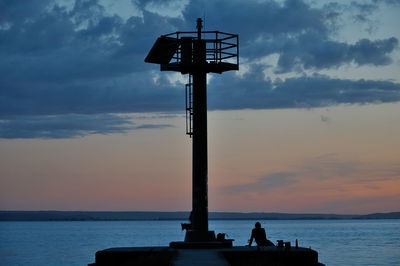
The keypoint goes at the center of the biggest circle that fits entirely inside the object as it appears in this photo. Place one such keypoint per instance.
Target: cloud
(301, 92)
(346, 169)
(325, 119)
(388, 2)
(133, 93)
(363, 10)
(326, 172)
(255, 19)
(311, 52)
(152, 126)
(67, 126)
(85, 60)
(234, 92)
(263, 184)
(330, 165)
(300, 34)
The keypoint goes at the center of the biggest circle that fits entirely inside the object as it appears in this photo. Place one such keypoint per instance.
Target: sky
(310, 122)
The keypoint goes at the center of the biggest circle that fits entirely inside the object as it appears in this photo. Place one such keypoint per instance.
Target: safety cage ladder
(189, 106)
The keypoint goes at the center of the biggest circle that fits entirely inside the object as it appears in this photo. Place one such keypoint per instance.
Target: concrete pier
(200, 257)
(236, 256)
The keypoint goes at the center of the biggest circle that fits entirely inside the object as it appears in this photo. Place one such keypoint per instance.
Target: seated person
(258, 234)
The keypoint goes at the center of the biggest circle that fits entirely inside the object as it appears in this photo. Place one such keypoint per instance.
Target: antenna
(197, 53)
(204, 23)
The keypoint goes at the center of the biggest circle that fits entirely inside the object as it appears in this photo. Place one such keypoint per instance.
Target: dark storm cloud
(83, 60)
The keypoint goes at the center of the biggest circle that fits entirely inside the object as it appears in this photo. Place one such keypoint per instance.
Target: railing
(221, 47)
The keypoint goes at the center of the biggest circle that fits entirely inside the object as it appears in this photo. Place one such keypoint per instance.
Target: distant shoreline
(175, 216)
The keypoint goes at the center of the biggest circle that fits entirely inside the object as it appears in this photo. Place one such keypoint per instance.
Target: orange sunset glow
(269, 161)
(309, 122)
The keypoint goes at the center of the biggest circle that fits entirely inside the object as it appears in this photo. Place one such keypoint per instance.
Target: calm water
(339, 242)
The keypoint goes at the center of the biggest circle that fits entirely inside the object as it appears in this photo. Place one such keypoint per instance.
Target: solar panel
(162, 51)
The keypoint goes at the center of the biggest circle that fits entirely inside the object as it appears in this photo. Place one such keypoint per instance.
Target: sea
(338, 242)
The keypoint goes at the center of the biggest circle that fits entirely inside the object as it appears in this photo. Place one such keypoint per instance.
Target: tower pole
(200, 164)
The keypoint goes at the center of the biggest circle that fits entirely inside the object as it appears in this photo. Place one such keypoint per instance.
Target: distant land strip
(143, 216)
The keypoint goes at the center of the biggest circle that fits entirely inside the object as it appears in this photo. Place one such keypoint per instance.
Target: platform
(236, 256)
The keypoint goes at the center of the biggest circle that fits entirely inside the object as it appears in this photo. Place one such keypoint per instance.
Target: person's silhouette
(258, 234)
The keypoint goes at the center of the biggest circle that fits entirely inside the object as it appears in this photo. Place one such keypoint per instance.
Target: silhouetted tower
(197, 53)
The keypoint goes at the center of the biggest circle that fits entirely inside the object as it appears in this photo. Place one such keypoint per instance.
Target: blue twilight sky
(73, 85)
